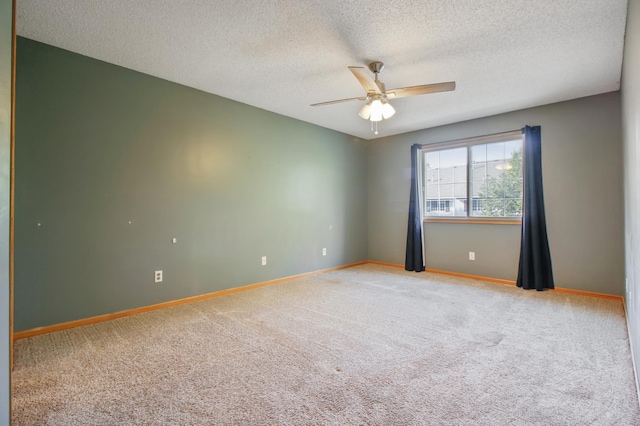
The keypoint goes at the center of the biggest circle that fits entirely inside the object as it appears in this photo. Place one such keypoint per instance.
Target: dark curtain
(534, 270)
(414, 258)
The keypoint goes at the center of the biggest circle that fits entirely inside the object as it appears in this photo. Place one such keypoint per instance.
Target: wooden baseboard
(589, 293)
(135, 311)
(473, 277)
(507, 282)
(393, 265)
(455, 274)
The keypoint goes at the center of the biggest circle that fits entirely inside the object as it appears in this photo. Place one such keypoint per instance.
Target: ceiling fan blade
(365, 79)
(362, 98)
(424, 89)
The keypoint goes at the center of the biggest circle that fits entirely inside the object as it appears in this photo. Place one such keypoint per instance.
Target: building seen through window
(485, 176)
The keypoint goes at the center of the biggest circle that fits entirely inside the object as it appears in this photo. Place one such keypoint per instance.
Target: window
(484, 173)
(446, 181)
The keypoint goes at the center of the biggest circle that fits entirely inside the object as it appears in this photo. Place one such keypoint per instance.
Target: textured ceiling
(283, 55)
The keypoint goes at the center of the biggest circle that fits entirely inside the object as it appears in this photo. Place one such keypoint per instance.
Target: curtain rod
(473, 139)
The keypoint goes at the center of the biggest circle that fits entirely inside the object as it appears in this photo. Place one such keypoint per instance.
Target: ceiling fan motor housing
(376, 67)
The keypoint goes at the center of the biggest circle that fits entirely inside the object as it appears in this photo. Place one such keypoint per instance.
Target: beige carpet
(366, 345)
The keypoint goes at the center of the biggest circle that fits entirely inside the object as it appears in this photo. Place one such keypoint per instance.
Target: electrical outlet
(264, 260)
(472, 255)
(324, 251)
(158, 276)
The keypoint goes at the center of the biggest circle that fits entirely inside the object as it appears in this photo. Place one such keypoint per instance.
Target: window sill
(466, 220)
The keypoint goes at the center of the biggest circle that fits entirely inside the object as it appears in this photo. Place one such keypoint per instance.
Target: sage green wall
(6, 55)
(631, 134)
(582, 163)
(112, 164)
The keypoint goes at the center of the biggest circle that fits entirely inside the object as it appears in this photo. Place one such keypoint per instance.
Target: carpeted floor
(365, 345)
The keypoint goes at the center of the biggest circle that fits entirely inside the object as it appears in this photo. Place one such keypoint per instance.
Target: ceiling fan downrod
(376, 68)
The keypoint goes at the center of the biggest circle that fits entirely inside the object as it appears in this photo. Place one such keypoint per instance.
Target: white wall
(631, 138)
(6, 38)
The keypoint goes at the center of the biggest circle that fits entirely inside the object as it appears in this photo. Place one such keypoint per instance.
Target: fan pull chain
(376, 132)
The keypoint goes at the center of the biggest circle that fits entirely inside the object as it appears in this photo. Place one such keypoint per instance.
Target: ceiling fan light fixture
(365, 111)
(376, 116)
(376, 110)
(387, 110)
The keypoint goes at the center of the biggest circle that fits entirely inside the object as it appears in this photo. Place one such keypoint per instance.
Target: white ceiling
(283, 55)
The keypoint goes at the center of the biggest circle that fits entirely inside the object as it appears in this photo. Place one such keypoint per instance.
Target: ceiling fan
(378, 107)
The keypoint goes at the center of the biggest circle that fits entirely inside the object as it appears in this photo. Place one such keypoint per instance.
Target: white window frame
(467, 143)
